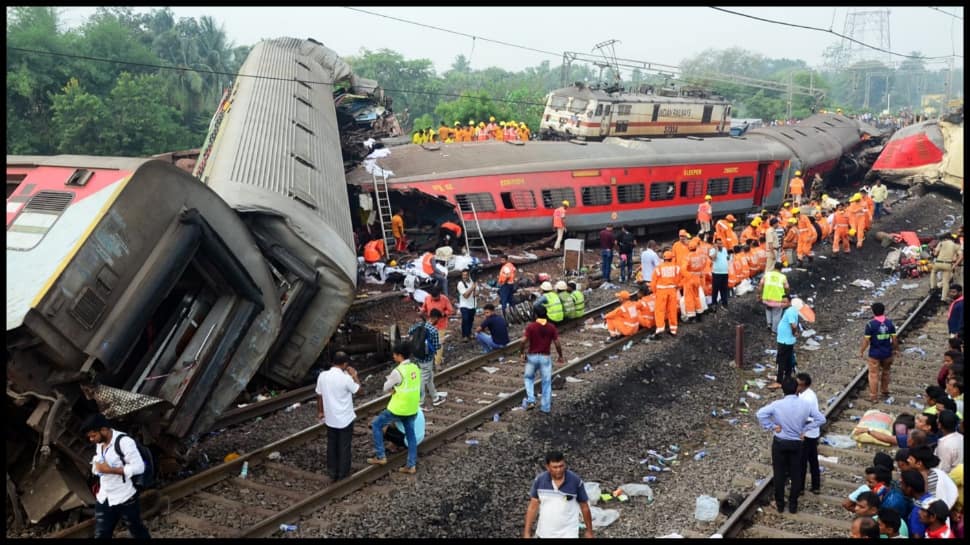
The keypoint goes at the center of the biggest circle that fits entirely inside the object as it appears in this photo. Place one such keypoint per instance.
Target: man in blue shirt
(786, 338)
(880, 338)
(649, 259)
(497, 327)
(914, 487)
(788, 419)
(719, 274)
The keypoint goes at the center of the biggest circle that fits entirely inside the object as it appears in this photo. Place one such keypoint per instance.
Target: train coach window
(623, 109)
(777, 182)
(599, 110)
(662, 191)
(744, 184)
(597, 195)
(578, 105)
(518, 200)
(691, 188)
(483, 202)
(718, 186)
(622, 126)
(558, 102)
(552, 198)
(630, 193)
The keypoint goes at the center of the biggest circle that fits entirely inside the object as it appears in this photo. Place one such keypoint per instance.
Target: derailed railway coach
(513, 188)
(926, 153)
(131, 289)
(273, 154)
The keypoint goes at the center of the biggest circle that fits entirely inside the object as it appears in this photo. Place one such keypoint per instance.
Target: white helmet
(561, 286)
(546, 286)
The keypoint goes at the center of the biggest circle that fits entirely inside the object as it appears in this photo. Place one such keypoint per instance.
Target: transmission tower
(869, 27)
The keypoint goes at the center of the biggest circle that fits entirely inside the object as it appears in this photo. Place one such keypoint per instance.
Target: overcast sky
(665, 35)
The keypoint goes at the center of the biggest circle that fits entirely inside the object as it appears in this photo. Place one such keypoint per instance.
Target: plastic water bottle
(288, 527)
(495, 417)
(890, 400)
(652, 467)
(245, 471)
(700, 455)
(650, 478)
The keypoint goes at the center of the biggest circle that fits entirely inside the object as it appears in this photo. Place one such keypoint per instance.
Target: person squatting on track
(404, 383)
(335, 407)
(788, 418)
(116, 497)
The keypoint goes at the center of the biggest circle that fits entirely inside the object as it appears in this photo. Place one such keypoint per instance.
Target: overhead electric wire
(946, 12)
(827, 31)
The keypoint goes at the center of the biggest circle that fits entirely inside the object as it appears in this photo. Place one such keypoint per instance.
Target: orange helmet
(623, 295)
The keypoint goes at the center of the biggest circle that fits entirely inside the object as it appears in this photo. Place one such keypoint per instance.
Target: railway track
(843, 399)
(287, 478)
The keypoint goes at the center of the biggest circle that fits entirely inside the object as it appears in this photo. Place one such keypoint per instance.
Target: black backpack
(144, 480)
(419, 343)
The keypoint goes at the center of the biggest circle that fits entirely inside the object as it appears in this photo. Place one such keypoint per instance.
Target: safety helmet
(546, 286)
(393, 263)
(491, 118)
(707, 197)
(458, 123)
(955, 236)
(838, 110)
(825, 197)
(852, 232)
(694, 242)
(856, 197)
(796, 210)
(787, 204)
(730, 217)
(792, 220)
(798, 173)
(501, 123)
(683, 233)
(471, 121)
(756, 221)
(561, 286)
(565, 203)
(481, 123)
(622, 295)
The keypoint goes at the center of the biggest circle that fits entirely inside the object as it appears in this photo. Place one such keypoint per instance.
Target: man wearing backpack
(424, 344)
(116, 462)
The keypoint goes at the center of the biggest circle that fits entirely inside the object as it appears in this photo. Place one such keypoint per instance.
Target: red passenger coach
(513, 189)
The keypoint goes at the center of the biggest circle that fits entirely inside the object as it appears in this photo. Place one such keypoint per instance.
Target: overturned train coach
(135, 290)
(512, 188)
(926, 153)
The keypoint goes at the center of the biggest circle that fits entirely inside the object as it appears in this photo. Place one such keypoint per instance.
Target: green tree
(78, 121)
(142, 122)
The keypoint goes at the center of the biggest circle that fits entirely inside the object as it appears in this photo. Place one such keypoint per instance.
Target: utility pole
(865, 104)
(949, 88)
(791, 88)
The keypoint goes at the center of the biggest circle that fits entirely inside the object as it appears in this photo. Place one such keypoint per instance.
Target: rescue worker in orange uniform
(823, 224)
(524, 132)
(491, 127)
(724, 228)
(784, 213)
(870, 206)
(427, 263)
(806, 236)
(374, 251)
(506, 283)
(758, 258)
(705, 215)
(499, 133)
(397, 230)
(680, 248)
(857, 218)
(444, 133)
(559, 223)
(647, 308)
(697, 261)
(796, 186)
(735, 267)
(449, 234)
(706, 247)
(665, 283)
(841, 224)
(789, 242)
(751, 231)
(623, 321)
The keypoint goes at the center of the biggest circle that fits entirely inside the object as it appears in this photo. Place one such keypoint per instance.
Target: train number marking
(693, 171)
(443, 187)
(670, 129)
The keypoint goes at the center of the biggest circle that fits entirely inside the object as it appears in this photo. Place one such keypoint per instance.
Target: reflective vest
(579, 304)
(774, 286)
(665, 276)
(407, 395)
(704, 212)
(426, 263)
(568, 305)
(553, 307)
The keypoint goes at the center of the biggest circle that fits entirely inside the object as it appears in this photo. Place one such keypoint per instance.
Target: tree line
(71, 103)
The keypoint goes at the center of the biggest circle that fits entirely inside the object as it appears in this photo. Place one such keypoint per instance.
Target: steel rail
(732, 525)
(206, 478)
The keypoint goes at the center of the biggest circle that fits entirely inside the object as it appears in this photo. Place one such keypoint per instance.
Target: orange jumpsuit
(749, 233)
(735, 271)
(840, 232)
(783, 215)
(763, 228)
(374, 251)
(789, 243)
(824, 226)
(857, 217)
(681, 251)
(693, 280)
(806, 237)
(796, 186)
(708, 280)
(623, 320)
(870, 206)
(758, 260)
(646, 311)
(666, 280)
(724, 230)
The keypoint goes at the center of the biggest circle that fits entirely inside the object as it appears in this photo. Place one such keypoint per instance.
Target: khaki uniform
(947, 253)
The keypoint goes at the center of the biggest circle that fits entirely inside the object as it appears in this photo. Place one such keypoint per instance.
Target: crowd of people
(482, 132)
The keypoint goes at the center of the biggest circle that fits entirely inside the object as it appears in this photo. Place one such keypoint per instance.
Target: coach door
(708, 110)
(605, 121)
(761, 184)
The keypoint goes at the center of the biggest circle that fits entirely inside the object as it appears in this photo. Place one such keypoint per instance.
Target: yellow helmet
(787, 204)
(393, 263)
(796, 210)
(501, 123)
(756, 221)
(565, 203)
(707, 197)
(825, 197)
(491, 118)
(458, 123)
(481, 123)
(856, 197)
(838, 110)
(792, 220)
(851, 232)
(471, 121)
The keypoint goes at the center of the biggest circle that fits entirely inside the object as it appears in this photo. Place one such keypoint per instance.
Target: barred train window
(718, 186)
(630, 193)
(691, 188)
(743, 184)
(597, 195)
(483, 202)
(518, 200)
(622, 126)
(552, 198)
(623, 109)
(662, 191)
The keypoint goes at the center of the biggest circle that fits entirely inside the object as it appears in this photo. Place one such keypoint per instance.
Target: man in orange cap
(665, 283)
(724, 228)
(623, 321)
(694, 279)
(784, 213)
(680, 248)
(751, 231)
(704, 215)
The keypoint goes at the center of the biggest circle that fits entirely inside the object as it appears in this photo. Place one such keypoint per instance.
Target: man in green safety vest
(405, 381)
(568, 305)
(550, 300)
(773, 286)
(579, 300)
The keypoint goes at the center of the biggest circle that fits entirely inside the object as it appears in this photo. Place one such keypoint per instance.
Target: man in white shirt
(810, 442)
(116, 497)
(558, 498)
(335, 406)
(649, 259)
(467, 304)
(949, 449)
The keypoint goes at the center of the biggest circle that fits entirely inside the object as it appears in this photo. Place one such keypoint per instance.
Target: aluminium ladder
(384, 212)
(477, 237)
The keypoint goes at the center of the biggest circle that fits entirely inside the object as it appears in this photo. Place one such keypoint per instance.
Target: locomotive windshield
(558, 102)
(578, 105)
